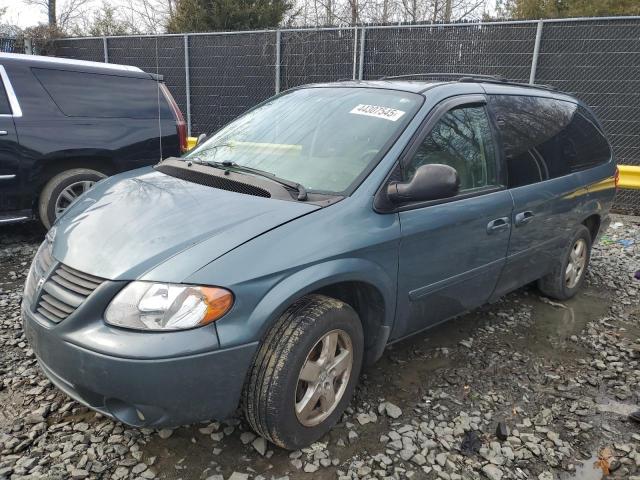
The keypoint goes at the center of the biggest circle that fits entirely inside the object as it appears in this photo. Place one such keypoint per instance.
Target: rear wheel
(62, 190)
(305, 372)
(568, 276)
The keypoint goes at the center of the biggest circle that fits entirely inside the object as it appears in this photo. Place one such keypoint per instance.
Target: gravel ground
(525, 388)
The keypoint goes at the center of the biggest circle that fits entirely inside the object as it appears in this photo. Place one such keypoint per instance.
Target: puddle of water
(553, 324)
(587, 470)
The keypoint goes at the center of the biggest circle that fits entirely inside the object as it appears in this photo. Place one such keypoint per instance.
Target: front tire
(568, 276)
(62, 190)
(305, 372)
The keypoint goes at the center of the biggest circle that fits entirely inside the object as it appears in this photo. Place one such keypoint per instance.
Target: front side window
(322, 138)
(461, 139)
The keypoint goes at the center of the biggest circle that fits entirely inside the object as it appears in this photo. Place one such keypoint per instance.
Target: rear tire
(568, 276)
(275, 392)
(51, 202)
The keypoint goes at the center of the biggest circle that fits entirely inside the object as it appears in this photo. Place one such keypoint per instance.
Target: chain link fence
(215, 77)
(11, 45)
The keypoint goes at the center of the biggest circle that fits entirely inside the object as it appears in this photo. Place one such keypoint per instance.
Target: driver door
(453, 250)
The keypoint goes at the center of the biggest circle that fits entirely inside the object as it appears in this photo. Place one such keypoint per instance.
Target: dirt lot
(559, 379)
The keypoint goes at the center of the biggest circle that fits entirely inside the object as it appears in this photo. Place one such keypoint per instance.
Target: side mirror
(201, 138)
(430, 182)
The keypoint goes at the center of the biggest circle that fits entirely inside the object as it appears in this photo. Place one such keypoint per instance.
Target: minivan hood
(131, 223)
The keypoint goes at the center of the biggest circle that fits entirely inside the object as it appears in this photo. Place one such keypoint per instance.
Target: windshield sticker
(378, 112)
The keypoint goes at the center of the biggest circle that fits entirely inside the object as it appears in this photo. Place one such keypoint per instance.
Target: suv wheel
(305, 372)
(62, 190)
(568, 276)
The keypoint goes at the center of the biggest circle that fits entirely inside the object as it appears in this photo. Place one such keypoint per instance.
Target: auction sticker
(378, 112)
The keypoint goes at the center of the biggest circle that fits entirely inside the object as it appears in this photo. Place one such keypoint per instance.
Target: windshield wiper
(200, 161)
(228, 165)
(302, 192)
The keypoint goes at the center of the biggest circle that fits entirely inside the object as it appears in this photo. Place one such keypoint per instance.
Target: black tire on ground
(55, 186)
(269, 395)
(554, 284)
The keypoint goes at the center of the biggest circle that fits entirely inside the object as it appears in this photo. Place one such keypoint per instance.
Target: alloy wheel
(323, 378)
(70, 194)
(576, 264)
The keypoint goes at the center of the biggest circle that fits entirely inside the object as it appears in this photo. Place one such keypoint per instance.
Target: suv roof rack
(472, 77)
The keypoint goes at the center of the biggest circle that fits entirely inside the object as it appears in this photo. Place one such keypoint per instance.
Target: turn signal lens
(616, 177)
(218, 301)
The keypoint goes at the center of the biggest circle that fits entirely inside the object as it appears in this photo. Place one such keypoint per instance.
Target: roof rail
(473, 77)
(498, 78)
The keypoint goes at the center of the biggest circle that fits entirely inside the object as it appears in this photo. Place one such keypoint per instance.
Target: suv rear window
(5, 107)
(80, 94)
(545, 138)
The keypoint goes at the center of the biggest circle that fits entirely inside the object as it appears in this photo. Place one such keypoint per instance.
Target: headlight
(162, 306)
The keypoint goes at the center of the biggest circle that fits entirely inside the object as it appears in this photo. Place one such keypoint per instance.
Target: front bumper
(142, 392)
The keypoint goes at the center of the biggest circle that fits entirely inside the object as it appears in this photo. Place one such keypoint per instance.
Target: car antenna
(158, 100)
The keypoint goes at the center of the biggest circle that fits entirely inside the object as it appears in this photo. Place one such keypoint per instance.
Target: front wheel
(568, 276)
(305, 372)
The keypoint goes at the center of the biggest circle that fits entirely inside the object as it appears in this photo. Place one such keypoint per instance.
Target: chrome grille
(64, 291)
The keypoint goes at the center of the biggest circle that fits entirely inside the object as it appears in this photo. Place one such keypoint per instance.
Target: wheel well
(366, 300)
(593, 224)
(55, 166)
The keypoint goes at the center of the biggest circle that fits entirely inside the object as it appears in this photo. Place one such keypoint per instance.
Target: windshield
(321, 138)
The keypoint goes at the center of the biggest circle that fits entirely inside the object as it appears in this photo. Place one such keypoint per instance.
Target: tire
(555, 284)
(272, 387)
(57, 185)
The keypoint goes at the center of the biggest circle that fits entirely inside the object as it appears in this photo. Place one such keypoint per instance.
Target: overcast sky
(22, 15)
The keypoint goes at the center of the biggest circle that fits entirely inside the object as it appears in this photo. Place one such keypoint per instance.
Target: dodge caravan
(265, 267)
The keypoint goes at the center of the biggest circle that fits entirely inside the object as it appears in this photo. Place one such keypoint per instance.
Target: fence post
(187, 82)
(361, 66)
(105, 49)
(28, 46)
(355, 51)
(536, 53)
(277, 66)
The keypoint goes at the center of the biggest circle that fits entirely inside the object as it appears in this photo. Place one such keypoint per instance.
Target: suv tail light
(616, 177)
(181, 125)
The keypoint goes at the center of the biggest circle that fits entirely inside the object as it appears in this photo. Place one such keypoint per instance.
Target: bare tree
(70, 13)
(61, 17)
(154, 15)
(49, 6)
(351, 12)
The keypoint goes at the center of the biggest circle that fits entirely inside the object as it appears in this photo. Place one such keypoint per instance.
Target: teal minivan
(266, 266)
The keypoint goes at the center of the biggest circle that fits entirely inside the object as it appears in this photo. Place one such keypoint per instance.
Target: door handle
(523, 218)
(498, 225)
(4, 132)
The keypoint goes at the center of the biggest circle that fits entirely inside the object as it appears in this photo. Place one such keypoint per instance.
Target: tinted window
(586, 146)
(80, 94)
(461, 139)
(5, 108)
(545, 138)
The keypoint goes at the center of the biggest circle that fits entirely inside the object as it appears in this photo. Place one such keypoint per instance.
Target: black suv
(65, 124)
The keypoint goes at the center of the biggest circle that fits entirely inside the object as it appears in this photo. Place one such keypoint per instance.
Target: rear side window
(80, 94)
(545, 138)
(587, 146)
(5, 107)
